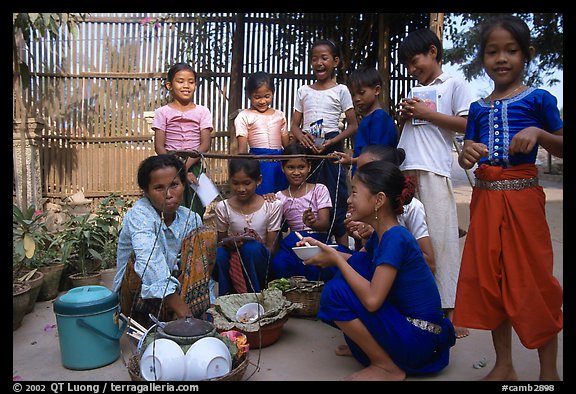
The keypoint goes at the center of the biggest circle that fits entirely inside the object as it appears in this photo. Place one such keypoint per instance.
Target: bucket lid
(85, 299)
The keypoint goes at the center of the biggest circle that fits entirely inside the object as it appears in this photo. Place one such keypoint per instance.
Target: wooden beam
(437, 24)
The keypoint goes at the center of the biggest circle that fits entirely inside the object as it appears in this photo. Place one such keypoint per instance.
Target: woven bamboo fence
(96, 91)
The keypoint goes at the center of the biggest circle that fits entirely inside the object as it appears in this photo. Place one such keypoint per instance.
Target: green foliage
(45, 23)
(86, 242)
(547, 37)
(109, 216)
(33, 245)
(89, 241)
(81, 240)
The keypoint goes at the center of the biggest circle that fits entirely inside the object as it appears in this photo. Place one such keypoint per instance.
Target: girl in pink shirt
(183, 125)
(261, 130)
(306, 209)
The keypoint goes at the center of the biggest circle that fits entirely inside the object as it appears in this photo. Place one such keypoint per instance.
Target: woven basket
(307, 293)
(235, 375)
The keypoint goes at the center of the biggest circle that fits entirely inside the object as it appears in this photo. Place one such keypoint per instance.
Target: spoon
(300, 237)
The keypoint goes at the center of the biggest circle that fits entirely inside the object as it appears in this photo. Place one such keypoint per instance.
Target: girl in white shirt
(314, 124)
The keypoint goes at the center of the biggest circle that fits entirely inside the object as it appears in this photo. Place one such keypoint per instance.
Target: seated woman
(384, 298)
(248, 227)
(306, 209)
(155, 231)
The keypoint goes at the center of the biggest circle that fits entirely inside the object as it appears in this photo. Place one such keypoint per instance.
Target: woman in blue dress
(384, 297)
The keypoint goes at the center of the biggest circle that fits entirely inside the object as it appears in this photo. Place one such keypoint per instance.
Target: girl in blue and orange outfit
(506, 277)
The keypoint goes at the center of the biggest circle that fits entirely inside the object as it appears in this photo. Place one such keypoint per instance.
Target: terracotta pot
(267, 335)
(107, 277)
(89, 279)
(35, 285)
(20, 299)
(52, 274)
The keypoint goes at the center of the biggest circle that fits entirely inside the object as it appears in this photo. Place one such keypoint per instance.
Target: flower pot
(52, 274)
(88, 279)
(35, 283)
(267, 335)
(108, 275)
(20, 299)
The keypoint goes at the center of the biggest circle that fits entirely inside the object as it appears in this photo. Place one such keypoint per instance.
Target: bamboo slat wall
(93, 89)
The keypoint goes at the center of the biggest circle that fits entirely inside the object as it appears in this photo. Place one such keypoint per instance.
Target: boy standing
(428, 119)
(377, 126)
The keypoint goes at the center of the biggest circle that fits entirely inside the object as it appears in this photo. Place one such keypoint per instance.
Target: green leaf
(29, 246)
(33, 16)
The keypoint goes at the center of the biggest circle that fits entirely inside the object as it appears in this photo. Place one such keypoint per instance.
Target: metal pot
(186, 331)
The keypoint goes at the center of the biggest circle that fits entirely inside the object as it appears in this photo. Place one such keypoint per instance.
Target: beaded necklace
(506, 96)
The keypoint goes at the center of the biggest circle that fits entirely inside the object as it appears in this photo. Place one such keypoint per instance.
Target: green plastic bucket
(89, 327)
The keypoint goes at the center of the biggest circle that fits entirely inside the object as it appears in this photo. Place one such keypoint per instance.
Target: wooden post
(384, 57)
(236, 81)
(437, 24)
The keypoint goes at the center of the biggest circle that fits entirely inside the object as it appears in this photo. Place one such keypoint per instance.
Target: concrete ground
(305, 351)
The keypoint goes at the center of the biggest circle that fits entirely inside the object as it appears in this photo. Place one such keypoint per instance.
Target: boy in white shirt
(427, 132)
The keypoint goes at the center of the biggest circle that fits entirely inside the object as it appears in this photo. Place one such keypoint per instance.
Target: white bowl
(163, 360)
(306, 252)
(249, 313)
(207, 358)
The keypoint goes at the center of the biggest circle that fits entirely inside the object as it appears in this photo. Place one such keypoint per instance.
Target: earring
(376, 212)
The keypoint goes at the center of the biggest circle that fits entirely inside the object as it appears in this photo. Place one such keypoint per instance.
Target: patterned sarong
(236, 270)
(198, 254)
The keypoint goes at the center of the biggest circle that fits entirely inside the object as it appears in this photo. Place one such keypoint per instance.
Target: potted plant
(81, 240)
(35, 249)
(88, 241)
(26, 235)
(109, 215)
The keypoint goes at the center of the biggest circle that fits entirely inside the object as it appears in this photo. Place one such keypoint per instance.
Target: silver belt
(425, 325)
(509, 184)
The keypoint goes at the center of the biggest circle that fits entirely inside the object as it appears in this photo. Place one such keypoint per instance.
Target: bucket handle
(83, 323)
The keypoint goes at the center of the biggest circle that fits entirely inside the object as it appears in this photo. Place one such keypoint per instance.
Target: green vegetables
(282, 284)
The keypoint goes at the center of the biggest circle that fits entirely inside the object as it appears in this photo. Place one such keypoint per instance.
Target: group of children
(404, 293)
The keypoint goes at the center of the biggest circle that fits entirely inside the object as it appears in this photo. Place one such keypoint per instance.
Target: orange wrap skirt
(507, 261)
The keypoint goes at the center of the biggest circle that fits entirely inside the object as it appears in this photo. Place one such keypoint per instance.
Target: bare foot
(461, 332)
(343, 350)
(374, 372)
(502, 374)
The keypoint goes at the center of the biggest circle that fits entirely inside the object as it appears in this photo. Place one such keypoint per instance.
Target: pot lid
(188, 327)
(86, 300)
